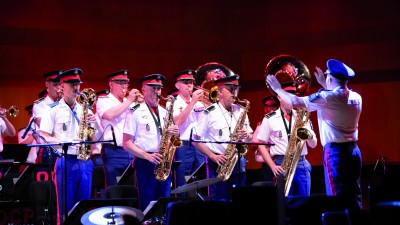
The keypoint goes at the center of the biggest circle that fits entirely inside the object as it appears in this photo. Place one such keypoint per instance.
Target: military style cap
(103, 92)
(273, 98)
(119, 75)
(229, 80)
(71, 76)
(339, 70)
(52, 75)
(185, 75)
(153, 80)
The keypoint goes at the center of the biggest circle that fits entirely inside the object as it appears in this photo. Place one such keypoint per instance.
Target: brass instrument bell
(13, 111)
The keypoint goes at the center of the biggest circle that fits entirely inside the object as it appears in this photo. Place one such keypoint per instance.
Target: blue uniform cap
(339, 70)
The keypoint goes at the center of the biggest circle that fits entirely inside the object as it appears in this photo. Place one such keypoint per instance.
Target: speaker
(246, 202)
(157, 209)
(84, 206)
(313, 206)
(23, 212)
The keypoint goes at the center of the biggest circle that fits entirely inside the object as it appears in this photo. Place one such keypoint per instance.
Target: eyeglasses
(231, 87)
(74, 84)
(155, 87)
(186, 81)
(121, 82)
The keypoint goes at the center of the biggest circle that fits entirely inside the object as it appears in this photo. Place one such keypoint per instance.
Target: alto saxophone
(168, 145)
(86, 98)
(298, 137)
(225, 170)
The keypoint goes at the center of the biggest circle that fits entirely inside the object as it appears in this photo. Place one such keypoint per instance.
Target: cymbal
(196, 185)
(110, 215)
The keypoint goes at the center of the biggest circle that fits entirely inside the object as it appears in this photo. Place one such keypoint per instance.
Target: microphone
(113, 135)
(190, 137)
(28, 128)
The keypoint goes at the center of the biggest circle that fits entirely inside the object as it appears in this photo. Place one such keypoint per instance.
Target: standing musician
(142, 138)
(52, 94)
(217, 124)
(276, 127)
(339, 110)
(6, 129)
(61, 122)
(186, 109)
(112, 110)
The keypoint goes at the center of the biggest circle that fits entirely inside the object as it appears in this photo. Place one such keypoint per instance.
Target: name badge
(147, 127)
(64, 127)
(220, 132)
(280, 134)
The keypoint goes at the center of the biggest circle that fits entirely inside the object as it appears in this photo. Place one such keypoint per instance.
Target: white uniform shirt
(273, 129)
(337, 114)
(185, 128)
(218, 124)
(40, 106)
(60, 123)
(103, 104)
(141, 125)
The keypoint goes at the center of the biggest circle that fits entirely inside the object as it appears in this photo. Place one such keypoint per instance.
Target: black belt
(302, 157)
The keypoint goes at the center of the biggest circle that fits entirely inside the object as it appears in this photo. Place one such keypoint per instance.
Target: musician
(271, 104)
(50, 95)
(61, 124)
(112, 110)
(186, 110)
(142, 137)
(6, 128)
(217, 124)
(339, 110)
(277, 127)
(97, 148)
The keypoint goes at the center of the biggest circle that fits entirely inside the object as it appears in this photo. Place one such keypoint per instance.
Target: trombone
(13, 111)
(210, 93)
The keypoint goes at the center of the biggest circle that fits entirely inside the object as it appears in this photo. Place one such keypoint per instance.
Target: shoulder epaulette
(39, 100)
(53, 104)
(209, 109)
(270, 114)
(200, 109)
(133, 108)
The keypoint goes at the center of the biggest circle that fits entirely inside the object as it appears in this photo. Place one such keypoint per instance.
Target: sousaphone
(299, 78)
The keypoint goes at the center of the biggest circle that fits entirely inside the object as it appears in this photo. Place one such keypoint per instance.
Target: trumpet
(13, 111)
(210, 93)
(139, 99)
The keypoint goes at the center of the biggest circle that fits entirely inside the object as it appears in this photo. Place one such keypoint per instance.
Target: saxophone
(298, 137)
(168, 145)
(86, 98)
(225, 170)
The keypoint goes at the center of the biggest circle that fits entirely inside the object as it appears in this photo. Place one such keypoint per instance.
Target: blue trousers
(301, 183)
(149, 188)
(188, 160)
(115, 161)
(342, 170)
(78, 183)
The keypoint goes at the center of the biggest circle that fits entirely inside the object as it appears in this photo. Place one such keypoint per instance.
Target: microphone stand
(65, 146)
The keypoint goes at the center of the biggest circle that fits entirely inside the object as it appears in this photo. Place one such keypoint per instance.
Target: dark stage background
(165, 37)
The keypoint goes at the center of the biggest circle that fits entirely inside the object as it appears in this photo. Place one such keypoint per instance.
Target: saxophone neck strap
(288, 128)
(156, 120)
(73, 110)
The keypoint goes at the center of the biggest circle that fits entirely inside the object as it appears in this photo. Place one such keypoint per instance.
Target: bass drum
(289, 71)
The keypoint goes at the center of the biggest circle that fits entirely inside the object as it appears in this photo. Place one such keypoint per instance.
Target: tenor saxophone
(168, 145)
(298, 137)
(225, 170)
